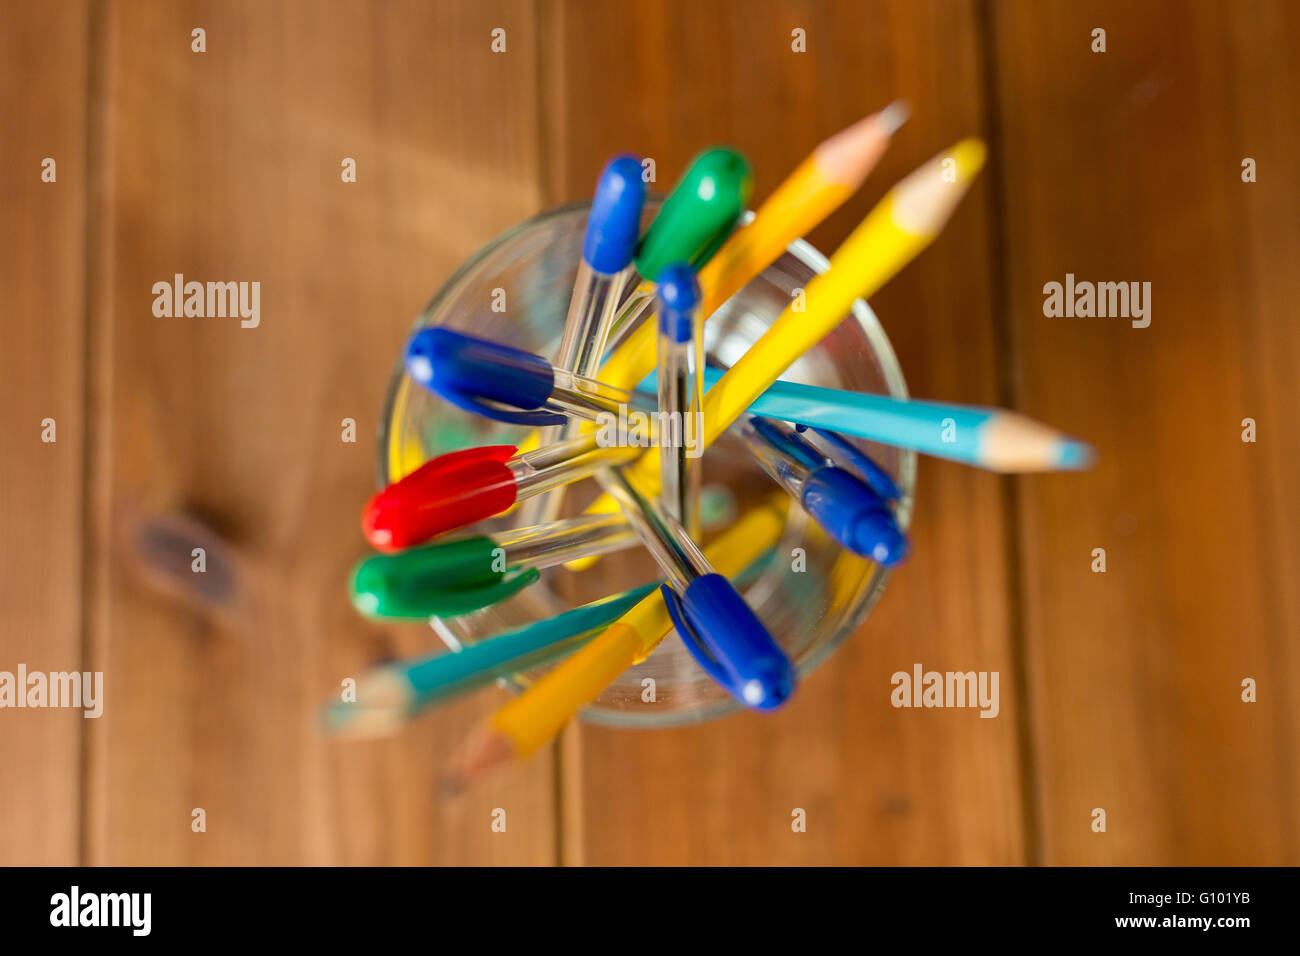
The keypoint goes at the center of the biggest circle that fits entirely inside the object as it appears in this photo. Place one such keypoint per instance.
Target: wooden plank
(1126, 166)
(879, 785)
(42, 269)
(225, 166)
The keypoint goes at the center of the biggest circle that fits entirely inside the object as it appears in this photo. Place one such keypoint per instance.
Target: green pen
(464, 574)
(692, 224)
(391, 694)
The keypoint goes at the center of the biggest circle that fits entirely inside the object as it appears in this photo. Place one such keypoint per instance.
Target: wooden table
(1120, 690)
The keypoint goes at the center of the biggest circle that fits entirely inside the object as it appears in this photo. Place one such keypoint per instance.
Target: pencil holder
(810, 593)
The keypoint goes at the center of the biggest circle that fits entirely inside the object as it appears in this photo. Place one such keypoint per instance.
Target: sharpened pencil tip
(850, 155)
(1075, 455)
(924, 199)
(893, 116)
(355, 721)
(485, 749)
(968, 157)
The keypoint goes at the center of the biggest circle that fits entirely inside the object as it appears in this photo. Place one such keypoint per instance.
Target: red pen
(464, 487)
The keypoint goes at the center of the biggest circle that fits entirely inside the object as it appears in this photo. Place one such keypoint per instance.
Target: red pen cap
(451, 491)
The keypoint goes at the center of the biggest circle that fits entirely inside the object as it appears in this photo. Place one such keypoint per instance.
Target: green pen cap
(698, 215)
(438, 580)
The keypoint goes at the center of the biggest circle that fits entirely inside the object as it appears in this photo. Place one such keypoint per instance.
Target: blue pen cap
(459, 366)
(679, 301)
(614, 223)
(755, 668)
(854, 515)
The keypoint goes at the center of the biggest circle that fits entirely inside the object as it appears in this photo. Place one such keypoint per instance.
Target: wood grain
(43, 54)
(1127, 166)
(226, 165)
(879, 785)
(1118, 690)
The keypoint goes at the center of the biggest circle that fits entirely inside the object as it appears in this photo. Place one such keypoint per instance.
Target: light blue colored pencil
(989, 438)
(389, 695)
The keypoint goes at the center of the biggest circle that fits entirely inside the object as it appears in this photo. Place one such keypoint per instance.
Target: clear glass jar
(516, 290)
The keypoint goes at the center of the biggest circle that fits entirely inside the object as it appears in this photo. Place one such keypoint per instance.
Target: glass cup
(809, 592)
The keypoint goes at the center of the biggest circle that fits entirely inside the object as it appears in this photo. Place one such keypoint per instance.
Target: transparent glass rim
(882, 349)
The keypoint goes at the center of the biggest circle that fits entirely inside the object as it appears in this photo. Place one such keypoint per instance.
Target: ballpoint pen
(681, 393)
(853, 509)
(724, 636)
(389, 695)
(464, 574)
(607, 249)
(899, 227)
(511, 385)
(604, 271)
(460, 488)
(525, 724)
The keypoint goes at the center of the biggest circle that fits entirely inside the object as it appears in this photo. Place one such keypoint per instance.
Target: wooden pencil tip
(485, 749)
(926, 197)
(1075, 455)
(355, 721)
(849, 155)
(1016, 444)
(381, 707)
(968, 157)
(893, 116)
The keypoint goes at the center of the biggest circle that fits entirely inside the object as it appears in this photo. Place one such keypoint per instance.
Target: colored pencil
(389, 696)
(991, 438)
(528, 721)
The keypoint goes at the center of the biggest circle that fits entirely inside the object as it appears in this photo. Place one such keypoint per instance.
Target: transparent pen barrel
(542, 546)
(621, 417)
(555, 465)
(784, 469)
(679, 430)
(640, 301)
(666, 540)
(591, 314)
(587, 397)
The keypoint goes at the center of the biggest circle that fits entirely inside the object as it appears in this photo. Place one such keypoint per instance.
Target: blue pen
(613, 227)
(989, 438)
(853, 510)
(868, 470)
(511, 385)
(681, 393)
(604, 271)
(724, 636)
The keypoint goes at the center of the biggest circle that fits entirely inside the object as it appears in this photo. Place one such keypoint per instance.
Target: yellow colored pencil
(892, 235)
(528, 721)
